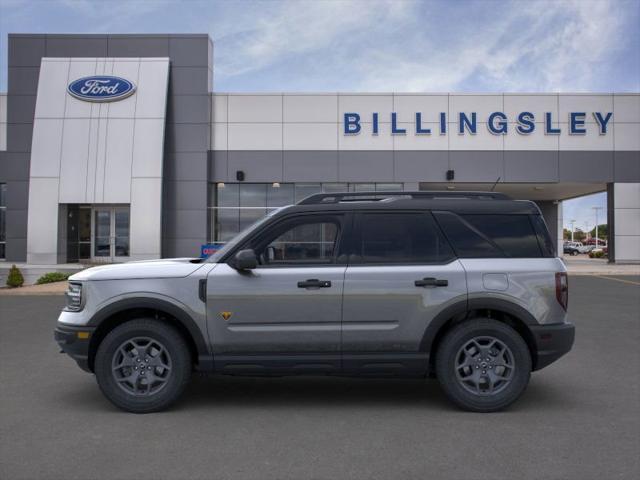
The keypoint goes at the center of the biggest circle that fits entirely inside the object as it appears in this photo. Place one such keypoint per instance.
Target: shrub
(52, 277)
(15, 278)
(596, 254)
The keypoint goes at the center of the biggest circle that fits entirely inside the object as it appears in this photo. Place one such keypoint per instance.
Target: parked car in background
(585, 248)
(570, 248)
(592, 241)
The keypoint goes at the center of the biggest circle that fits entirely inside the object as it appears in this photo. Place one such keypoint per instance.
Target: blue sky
(370, 45)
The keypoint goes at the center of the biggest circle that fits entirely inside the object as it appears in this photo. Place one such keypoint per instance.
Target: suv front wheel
(143, 365)
(483, 365)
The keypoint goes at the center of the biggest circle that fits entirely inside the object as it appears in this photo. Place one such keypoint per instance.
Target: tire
(574, 253)
(465, 379)
(143, 365)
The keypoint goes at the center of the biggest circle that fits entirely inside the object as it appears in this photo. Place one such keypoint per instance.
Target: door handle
(431, 282)
(314, 283)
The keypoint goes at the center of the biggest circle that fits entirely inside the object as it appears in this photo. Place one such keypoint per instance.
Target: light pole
(572, 222)
(596, 210)
(586, 230)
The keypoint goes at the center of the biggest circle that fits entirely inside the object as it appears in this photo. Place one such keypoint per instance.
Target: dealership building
(118, 147)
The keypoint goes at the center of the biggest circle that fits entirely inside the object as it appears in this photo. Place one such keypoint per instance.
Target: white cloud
(377, 45)
(275, 32)
(532, 46)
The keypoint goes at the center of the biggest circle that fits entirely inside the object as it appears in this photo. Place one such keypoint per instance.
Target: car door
(401, 274)
(286, 313)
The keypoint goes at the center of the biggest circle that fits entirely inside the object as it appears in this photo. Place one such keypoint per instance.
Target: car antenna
(494, 185)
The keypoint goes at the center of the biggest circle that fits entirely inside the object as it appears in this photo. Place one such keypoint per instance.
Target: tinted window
(300, 241)
(400, 238)
(544, 239)
(483, 236)
(513, 234)
(467, 241)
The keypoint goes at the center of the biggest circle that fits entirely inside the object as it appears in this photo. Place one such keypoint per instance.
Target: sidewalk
(57, 288)
(598, 266)
(31, 272)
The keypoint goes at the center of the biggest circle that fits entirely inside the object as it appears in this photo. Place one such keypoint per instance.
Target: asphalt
(579, 419)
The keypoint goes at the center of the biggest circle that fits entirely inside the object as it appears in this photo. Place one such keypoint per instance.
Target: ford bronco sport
(463, 286)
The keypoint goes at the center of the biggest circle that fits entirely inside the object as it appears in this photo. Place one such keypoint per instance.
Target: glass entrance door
(111, 233)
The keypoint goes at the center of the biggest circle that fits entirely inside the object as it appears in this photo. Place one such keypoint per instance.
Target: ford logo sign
(102, 88)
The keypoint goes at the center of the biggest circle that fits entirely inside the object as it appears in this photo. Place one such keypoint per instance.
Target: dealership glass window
(3, 216)
(227, 218)
(305, 189)
(253, 203)
(233, 206)
(335, 187)
(78, 232)
(280, 195)
(121, 226)
(84, 232)
(363, 187)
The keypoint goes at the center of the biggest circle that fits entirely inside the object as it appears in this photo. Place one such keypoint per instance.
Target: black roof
(458, 202)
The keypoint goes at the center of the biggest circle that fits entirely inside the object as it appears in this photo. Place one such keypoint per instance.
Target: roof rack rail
(320, 198)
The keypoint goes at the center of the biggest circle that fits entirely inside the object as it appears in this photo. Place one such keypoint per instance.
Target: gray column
(552, 213)
(624, 222)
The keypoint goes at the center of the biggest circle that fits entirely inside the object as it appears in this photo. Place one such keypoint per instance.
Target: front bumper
(552, 342)
(75, 341)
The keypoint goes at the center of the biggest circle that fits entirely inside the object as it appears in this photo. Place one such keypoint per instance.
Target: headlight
(74, 297)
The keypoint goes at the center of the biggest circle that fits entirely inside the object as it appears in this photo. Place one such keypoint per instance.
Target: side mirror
(245, 260)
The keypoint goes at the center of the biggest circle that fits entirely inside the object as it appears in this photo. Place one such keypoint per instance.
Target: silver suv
(463, 286)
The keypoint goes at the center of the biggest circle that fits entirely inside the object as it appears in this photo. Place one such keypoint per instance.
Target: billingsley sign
(497, 123)
(101, 88)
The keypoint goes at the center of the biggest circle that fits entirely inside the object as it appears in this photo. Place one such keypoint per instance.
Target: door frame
(112, 209)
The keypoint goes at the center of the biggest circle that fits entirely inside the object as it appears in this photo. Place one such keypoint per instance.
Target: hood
(164, 268)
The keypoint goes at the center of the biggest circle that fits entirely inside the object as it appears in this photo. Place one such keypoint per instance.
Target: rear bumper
(74, 345)
(552, 342)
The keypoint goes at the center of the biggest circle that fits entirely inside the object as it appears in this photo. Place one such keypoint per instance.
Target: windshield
(231, 244)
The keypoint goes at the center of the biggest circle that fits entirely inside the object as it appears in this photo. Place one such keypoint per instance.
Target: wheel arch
(121, 311)
(502, 310)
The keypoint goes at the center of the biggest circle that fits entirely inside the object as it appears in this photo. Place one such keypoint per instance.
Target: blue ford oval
(101, 88)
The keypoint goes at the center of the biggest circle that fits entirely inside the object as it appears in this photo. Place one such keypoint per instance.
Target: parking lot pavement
(580, 418)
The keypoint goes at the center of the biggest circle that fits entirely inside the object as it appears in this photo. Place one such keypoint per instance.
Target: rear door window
(400, 238)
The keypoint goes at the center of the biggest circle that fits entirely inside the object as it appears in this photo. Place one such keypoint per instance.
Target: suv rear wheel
(143, 365)
(483, 365)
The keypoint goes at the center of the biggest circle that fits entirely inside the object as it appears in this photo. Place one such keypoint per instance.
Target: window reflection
(234, 206)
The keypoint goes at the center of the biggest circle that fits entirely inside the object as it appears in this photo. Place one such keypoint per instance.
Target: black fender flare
(457, 309)
(464, 307)
(205, 359)
(506, 306)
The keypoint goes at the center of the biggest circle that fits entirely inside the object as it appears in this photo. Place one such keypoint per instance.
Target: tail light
(562, 289)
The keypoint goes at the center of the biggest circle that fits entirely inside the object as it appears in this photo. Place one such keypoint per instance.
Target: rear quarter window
(486, 236)
(544, 239)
